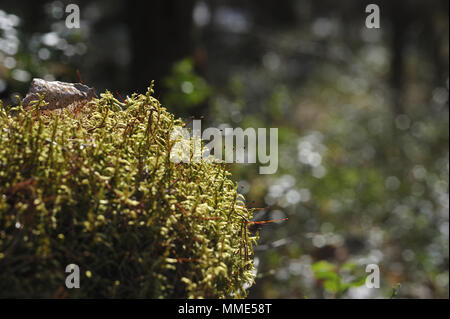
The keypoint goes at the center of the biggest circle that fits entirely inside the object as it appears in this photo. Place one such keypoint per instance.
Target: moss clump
(95, 187)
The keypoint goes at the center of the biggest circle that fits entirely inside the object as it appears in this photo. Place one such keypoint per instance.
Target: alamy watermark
(373, 19)
(227, 145)
(73, 17)
(373, 279)
(73, 279)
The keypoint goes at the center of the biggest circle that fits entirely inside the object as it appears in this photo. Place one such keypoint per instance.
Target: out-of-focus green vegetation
(338, 281)
(185, 89)
(358, 183)
(362, 116)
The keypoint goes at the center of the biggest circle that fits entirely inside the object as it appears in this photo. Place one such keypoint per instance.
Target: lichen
(94, 186)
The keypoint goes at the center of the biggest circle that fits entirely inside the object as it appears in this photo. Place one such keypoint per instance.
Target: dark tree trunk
(160, 34)
(399, 27)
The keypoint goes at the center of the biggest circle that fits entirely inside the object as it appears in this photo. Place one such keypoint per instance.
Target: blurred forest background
(362, 115)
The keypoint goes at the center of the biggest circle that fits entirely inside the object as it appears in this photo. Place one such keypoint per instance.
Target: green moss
(96, 188)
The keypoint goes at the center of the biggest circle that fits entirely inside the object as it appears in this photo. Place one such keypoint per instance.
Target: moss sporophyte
(92, 184)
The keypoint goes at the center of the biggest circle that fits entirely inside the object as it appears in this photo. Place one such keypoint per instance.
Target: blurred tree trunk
(399, 26)
(160, 34)
(434, 39)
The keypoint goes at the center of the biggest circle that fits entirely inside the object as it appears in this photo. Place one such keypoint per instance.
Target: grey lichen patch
(98, 189)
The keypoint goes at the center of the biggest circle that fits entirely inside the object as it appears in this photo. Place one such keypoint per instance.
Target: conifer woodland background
(362, 116)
